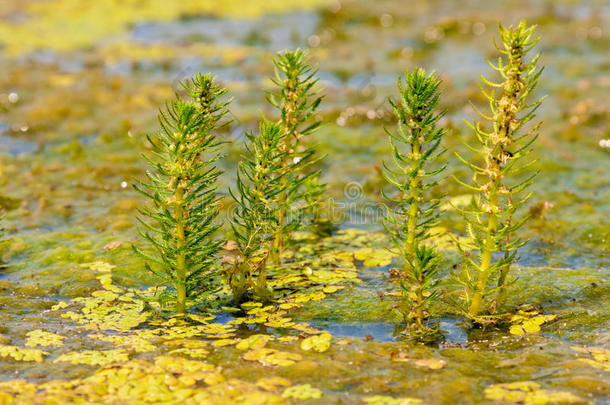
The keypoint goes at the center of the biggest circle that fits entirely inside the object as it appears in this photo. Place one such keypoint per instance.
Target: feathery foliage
(499, 183)
(181, 189)
(414, 211)
(263, 177)
(297, 101)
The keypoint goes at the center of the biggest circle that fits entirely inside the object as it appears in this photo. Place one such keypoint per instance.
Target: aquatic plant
(414, 210)
(297, 101)
(264, 178)
(498, 183)
(182, 194)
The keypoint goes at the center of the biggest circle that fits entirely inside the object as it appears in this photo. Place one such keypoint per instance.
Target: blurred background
(81, 83)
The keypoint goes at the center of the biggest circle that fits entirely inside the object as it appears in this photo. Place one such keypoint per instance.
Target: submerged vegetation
(414, 210)
(278, 260)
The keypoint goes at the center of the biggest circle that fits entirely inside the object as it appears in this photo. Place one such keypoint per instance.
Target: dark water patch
(454, 333)
(379, 331)
(388, 331)
(16, 147)
(271, 32)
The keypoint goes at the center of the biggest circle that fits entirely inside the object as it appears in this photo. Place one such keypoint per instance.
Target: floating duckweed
(528, 322)
(303, 391)
(385, 400)
(132, 342)
(41, 338)
(254, 342)
(273, 383)
(272, 357)
(317, 343)
(20, 354)
(601, 357)
(95, 357)
(529, 393)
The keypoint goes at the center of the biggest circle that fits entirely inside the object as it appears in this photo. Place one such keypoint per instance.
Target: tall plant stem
(180, 259)
(486, 257)
(413, 209)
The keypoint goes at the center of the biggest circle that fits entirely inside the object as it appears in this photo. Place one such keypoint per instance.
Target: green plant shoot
(414, 210)
(181, 188)
(499, 183)
(262, 179)
(297, 101)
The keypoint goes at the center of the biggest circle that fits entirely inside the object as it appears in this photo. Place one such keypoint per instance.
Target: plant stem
(486, 257)
(180, 259)
(413, 209)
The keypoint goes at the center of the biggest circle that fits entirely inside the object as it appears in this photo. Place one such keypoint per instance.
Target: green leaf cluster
(263, 178)
(296, 97)
(413, 209)
(500, 182)
(180, 220)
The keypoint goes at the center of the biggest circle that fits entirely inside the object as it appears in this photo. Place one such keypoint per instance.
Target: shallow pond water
(70, 145)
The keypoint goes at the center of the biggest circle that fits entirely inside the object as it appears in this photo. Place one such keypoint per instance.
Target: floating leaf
(132, 342)
(304, 391)
(332, 288)
(430, 364)
(224, 342)
(41, 338)
(193, 353)
(19, 354)
(253, 342)
(544, 397)
(59, 305)
(95, 357)
(273, 383)
(181, 365)
(528, 322)
(385, 400)
(529, 393)
(272, 357)
(510, 392)
(373, 257)
(601, 357)
(16, 387)
(318, 343)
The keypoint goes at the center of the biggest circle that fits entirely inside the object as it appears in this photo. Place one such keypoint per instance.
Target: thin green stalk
(180, 258)
(486, 258)
(296, 100)
(262, 178)
(491, 215)
(414, 191)
(180, 187)
(414, 210)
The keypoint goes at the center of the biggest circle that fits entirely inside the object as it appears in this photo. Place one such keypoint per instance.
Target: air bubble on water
(386, 20)
(313, 41)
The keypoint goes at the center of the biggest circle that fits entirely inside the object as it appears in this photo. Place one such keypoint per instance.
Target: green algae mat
(80, 88)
